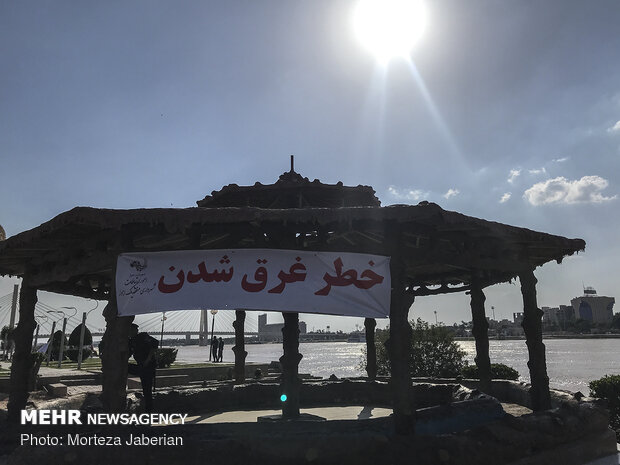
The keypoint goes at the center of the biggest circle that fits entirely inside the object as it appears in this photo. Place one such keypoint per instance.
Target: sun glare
(389, 28)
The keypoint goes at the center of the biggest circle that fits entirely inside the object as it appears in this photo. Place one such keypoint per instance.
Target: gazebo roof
(74, 253)
(291, 190)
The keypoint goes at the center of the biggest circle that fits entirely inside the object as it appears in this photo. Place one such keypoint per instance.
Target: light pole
(435, 312)
(62, 336)
(493, 310)
(163, 320)
(50, 344)
(36, 334)
(213, 312)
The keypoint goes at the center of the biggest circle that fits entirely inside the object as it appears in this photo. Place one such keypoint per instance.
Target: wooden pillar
(532, 325)
(114, 358)
(371, 350)
(480, 331)
(239, 348)
(399, 348)
(290, 383)
(21, 368)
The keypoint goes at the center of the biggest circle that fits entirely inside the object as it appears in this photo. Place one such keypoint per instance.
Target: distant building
(517, 318)
(554, 316)
(565, 314)
(592, 307)
(273, 332)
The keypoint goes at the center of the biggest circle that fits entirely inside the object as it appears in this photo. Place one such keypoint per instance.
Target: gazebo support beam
(371, 349)
(21, 368)
(399, 347)
(532, 325)
(239, 348)
(290, 365)
(114, 358)
(480, 331)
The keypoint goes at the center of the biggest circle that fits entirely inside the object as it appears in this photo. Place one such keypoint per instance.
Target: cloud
(614, 128)
(451, 193)
(538, 171)
(505, 197)
(407, 194)
(561, 190)
(560, 160)
(514, 174)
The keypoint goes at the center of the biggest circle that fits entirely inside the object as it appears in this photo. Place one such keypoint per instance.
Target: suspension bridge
(178, 323)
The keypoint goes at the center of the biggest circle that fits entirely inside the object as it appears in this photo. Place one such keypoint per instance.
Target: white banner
(254, 279)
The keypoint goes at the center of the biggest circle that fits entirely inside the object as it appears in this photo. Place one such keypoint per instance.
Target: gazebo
(432, 251)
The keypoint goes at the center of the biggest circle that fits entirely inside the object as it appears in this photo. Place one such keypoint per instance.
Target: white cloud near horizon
(514, 174)
(407, 194)
(561, 159)
(505, 197)
(451, 193)
(561, 190)
(615, 127)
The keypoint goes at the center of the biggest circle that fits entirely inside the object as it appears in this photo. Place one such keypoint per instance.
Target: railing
(172, 333)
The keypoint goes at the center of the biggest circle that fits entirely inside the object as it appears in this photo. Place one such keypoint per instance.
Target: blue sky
(508, 111)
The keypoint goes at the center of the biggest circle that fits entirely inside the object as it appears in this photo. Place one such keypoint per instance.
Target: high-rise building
(592, 307)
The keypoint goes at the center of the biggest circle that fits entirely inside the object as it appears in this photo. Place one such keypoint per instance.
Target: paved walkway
(349, 412)
(65, 372)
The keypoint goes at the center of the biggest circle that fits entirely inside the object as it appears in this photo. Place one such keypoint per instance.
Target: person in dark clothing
(220, 350)
(213, 355)
(144, 350)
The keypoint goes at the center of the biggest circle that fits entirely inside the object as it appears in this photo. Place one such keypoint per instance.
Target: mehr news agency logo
(76, 417)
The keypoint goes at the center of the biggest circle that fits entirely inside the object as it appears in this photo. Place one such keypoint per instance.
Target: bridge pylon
(203, 331)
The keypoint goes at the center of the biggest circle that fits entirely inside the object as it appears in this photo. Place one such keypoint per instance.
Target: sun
(389, 28)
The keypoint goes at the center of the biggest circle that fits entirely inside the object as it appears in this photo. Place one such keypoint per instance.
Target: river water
(571, 363)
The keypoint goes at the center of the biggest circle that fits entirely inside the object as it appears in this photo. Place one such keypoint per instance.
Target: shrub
(608, 388)
(166, 357)
(498, 371)
(433, 352)
(74, 343)
(6, 338)
(56, 345)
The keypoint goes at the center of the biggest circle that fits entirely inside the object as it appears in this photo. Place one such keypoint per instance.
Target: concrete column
(290, 383)
(114, 358)
(481, 334)
(23, 362)
(532, 325)
(371, 350)
(239, 348)
(398, 348)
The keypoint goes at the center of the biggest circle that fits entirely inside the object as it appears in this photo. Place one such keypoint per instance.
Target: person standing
(220, 350)
(213, 355)
(144, 350)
